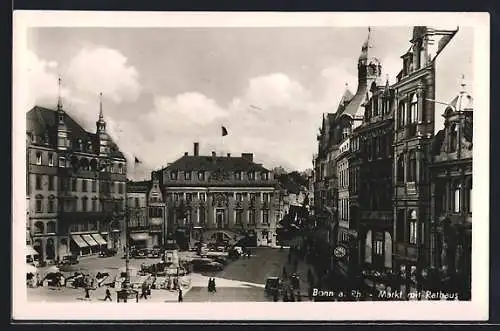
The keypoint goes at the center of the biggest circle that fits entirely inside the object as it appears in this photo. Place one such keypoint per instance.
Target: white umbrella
(52, 269)
(31, 268)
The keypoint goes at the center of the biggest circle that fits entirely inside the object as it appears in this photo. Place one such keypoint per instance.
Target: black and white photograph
(232, 166)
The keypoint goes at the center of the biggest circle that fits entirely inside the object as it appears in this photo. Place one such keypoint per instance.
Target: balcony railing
(411, 188)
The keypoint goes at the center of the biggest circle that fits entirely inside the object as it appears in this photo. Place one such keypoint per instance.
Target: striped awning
(30, 250)
(79, 240)
(139, 236)
(100, 240)
(88, 238)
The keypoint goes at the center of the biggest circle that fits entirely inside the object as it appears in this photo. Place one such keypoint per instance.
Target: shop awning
(139, 236)
(100, 240)
(88, 238)
(79, 240)
(30, 250)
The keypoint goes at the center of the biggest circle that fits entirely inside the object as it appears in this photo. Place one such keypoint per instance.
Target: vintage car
(69, 259)
(107, 252)
(205, 264)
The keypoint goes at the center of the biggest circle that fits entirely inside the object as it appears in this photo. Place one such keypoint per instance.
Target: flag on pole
(224, 131)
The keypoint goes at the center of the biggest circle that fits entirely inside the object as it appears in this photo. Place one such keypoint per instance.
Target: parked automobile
(273, 285)
(205, 264)
(153, 253)
(107, 252)
(70, 259)
(141, 254)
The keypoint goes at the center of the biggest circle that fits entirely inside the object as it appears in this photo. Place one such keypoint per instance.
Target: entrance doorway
(219, 217)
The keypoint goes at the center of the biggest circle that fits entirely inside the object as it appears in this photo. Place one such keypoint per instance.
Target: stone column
(420, 105)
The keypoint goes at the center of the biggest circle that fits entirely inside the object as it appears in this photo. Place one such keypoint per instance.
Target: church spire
(59, 99)
(101, 116)
(101, 124)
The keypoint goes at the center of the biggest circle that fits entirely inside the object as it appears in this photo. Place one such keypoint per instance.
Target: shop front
(78, 246)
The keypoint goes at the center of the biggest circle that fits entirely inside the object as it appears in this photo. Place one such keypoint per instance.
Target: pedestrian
(108, 295)
(87, 293)
(214, 289)
(180, 295)
(144, 293)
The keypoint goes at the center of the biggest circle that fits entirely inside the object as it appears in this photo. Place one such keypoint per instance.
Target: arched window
(453, 138)
(412, 227)
(457, 194)
(412, 167)
(39, 228)
(400, 168)
(51, 227)
(402, 114)
(414, 109)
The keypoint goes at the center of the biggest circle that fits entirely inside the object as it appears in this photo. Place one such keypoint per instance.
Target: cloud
(42, 87)
(190, 108)
(94, 70)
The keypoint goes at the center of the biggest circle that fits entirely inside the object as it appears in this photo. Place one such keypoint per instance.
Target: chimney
(196, 149)
(228, 154)
(247, 156)
(185, 153)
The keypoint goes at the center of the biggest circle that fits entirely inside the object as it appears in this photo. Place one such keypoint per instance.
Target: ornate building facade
(374, 180)
(147, 227)
(220, 198)
(451, 204)
(413, 134)
(76, 185)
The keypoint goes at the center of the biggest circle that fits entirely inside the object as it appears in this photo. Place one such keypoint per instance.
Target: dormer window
(201, 175)
(120, 168)
(187, 175)
(51, 160)
(39, 158)
(89, 146)
(265, 175)
(251, 175)
(80, 145)
(173, 175)
(237, 175)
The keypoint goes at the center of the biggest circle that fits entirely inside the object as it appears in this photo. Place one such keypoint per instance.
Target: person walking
(214, 289)
(108, 295)
(144, 293)
(180, 295)
(87, 293)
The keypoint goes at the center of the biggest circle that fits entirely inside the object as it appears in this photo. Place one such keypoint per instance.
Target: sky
(165, 88)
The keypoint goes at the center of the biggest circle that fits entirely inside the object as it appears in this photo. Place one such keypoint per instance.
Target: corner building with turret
(76, 186)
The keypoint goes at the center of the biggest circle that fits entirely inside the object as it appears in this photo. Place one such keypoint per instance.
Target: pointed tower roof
(59, 99)
(366, 45)
(347, 96)
(101, 116)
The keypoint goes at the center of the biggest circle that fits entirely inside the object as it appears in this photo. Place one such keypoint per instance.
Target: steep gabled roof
(209, 163)
(41, 121)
